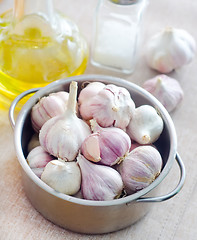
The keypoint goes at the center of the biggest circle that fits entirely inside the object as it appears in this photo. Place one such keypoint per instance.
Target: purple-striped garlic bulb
(38, 159)
(111, 106)
(140, 168)
(146, 125)
(64, 177)
(99, 182)
(166, 89)
(106, 145)
(63, 135)
(47, 107)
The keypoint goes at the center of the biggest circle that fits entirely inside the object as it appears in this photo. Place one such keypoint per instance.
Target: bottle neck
(43, 8)
(125, 2)
(33, 17)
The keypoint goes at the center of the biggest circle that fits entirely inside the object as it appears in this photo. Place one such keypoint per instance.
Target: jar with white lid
(116, 34)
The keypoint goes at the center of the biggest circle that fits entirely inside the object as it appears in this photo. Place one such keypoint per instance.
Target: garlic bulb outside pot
(166, 89)
(38, 159)
(63, 135)
(140, 168)
(112, 106)
(99, 182)
(53, 105)
(64, 177)
(146, 125)
(106, 145)
(170, 49)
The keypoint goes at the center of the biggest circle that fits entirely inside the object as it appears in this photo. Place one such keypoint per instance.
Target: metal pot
(85, 216)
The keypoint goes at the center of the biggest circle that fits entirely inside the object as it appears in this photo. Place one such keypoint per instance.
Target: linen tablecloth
(175, 219)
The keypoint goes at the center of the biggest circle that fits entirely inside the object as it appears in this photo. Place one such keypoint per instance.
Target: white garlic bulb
(99, 182)
(107, 146)
(166, 89)
(64, 177)
(63, 135)
(170, 49)
(111, 106)
(38, 159)
(90, 91)
(146, 125)
(140, 168)
(53, 105)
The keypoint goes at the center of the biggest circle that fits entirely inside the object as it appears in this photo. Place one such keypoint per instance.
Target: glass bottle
(37, 45)
(116, 34)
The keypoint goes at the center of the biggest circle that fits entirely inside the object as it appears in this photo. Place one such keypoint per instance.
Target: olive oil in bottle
(37, 46)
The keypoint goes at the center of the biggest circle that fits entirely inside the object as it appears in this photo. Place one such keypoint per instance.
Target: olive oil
(32, 54)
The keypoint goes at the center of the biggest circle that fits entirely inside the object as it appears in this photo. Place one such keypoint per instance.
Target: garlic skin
(90, 91)
(38, 159)
(170, 49)
(53, 105)
(166, 89)
(64, 177)
(63, 135)
(140, 168)
(107, 146)
(146, 125)
(111, 106)
(99, 182)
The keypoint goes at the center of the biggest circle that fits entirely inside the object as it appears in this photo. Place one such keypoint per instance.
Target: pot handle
(175, 191)
(15, 102)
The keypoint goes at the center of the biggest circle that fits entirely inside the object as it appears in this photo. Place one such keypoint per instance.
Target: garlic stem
(72, 99)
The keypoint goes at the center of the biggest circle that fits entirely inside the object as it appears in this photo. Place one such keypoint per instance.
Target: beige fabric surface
(175, 219)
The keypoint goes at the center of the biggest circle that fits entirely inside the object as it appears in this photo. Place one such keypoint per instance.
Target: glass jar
(37, 46)
(116, 34)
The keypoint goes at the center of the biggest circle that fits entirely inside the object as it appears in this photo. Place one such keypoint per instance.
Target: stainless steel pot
(81, 215)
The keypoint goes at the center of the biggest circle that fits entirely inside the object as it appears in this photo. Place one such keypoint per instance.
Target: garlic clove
(90, 147)
(63, 135)
(53, 105)
(146, 125)
(111, 106)
(107, 146)
(170, 49)
(99, 182)
(64, 177)
(166, 89)
(140, 168)
(38, 159)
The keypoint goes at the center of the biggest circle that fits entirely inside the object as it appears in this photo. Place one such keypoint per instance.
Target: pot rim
(103, 78)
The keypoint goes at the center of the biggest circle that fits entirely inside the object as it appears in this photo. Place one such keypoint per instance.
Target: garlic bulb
(53, 105)
(140, 168)
(106, 145)
(90, 91)
(63, 135)
(170, 49)
(99, 182)
(146, 125)
(34, 142)
(64, 177)
(38, 159)
(166, 89)
(111, 106)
